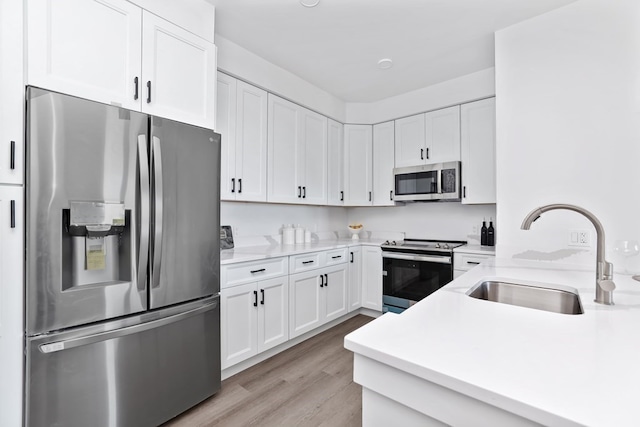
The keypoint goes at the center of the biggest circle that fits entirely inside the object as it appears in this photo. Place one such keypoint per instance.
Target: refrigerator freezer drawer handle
(143, 243)
(156, 158)
(55, 346)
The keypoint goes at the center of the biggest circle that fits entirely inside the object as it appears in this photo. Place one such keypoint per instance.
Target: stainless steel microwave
(438, 181)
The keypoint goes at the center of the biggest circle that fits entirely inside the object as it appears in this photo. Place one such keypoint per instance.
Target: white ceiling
(336, 46)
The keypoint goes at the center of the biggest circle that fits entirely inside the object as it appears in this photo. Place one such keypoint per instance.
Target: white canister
(299, 234)
(288, 235)
(307, 236)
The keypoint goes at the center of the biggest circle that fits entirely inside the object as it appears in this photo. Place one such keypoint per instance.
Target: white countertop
(552, 368)
(476, 249)
(253, 253)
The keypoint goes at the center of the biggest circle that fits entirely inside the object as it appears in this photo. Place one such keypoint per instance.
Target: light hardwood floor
(310, 384)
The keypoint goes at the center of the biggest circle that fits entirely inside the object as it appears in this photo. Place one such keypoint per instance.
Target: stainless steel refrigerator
(122, 324)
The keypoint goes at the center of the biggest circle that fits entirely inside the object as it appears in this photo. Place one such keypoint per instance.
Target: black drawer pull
(351, 257)
(262, 294)
(326, 280)
(13, 214)
(258, 271)
(135, 92)
(240, 185)
(304, 192)
(391, 195)
(149, 92)
(321, 281)
(342, 196)
(422, 154)
(255, 298)
(12, 161)
(299, 191)
(308, 262)
(427, 154)
(233, 185)
(473, 262)
(336, 257)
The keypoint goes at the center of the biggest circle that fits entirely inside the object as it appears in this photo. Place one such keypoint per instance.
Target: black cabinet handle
(307, 262)
(262, 296)
(258, 271)
(351, 257)
(326, 280)
(369, 195)
(321, 281)
(427, 154)
(464, 191)
(473, 262)
(391, 195)
(13, 214)
(12, 160)
(336, 257)
(255, 298)
(304, 192)
(149, 92)
(422, 154)
(299, 191)
(135, 85)
(240, 185)
(342, 196)
(233, 185)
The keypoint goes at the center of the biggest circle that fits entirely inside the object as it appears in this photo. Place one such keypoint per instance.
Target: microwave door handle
(143, 242)
(156, 156)
(440, 181)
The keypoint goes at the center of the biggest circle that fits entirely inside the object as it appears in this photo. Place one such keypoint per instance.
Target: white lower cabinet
(254, 317)
(317, 297)
(465, 261)
(372, 277)
(355, 277)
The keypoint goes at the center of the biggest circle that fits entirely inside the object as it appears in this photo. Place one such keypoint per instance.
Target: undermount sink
(554, 298)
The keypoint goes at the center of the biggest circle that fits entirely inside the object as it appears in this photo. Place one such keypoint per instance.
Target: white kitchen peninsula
(455, 360)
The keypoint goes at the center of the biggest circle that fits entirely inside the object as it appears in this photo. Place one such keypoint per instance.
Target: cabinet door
(11, 94)
(372, 277)
(305, 311)
(443, 135)
(410, 141)
(358, 159)
(11, 301)
(479, 151)
(355, 277)
(383, 153)
(336, 301)
(251, 144)
(226, 127)
(238, 323)
(179, 73)
(335, 149)
(86, 48)
(273, 316)
(283, 136)
(313, 164)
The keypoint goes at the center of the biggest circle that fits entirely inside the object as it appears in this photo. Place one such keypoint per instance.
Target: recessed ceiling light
(385, 63)
(309, 3)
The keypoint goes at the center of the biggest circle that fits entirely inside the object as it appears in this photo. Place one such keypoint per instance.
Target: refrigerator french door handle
(55, 346)
(143, 244)
(156, 159)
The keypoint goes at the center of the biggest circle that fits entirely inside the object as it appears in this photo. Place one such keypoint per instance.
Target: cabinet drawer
(464, 262)
(245, 272)
(336, 256)
(305, 262)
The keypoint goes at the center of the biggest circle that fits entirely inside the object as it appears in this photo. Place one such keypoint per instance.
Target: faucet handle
(607, 285)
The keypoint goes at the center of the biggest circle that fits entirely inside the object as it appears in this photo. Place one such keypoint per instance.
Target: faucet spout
(604, 269)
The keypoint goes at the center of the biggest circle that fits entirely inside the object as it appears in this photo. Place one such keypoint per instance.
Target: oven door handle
(424, 258)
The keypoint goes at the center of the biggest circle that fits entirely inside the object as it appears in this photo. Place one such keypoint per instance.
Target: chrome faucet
(604, 269)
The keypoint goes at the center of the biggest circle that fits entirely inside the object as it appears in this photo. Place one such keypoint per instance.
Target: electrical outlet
(580, 238)
(474, 230)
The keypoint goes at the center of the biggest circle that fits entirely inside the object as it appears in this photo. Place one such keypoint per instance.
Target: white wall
(264, 219)
(568, 108)
(440, 220)
(451, 92)
(248, 66)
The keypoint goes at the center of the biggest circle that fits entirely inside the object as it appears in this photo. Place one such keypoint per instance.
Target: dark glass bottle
(491, 235)
(483, 234)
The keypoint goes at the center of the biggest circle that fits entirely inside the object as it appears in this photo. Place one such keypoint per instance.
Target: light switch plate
(579, 238)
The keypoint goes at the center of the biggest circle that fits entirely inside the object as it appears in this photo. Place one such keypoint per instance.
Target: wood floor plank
(310, 384)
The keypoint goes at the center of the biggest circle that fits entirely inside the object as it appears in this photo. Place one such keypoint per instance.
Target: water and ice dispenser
(96, 244)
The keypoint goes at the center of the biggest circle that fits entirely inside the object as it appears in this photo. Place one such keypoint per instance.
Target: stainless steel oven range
(414, 269)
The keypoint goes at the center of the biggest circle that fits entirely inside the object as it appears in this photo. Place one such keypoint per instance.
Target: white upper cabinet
(383, 155)
(410, 141)
(479, 151)
(443, 135)
(178, 73)
(433, 137)
(358, 156)
(335, 171)
(241, 119)
(112, 51)
(297, 154)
